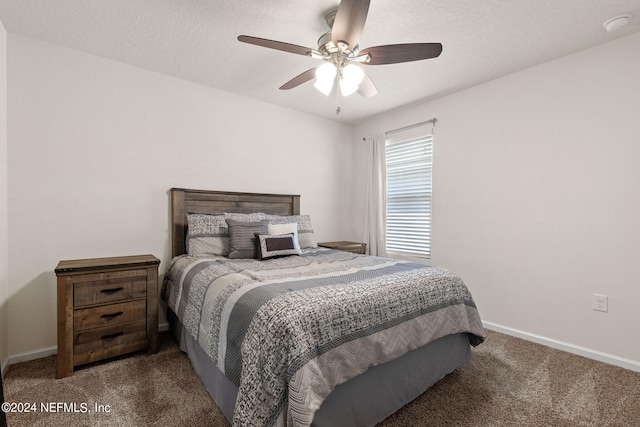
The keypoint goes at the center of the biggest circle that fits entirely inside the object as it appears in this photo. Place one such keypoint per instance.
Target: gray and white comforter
(286, 331)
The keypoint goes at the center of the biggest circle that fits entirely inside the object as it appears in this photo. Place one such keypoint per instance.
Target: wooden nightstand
(106, 307)
(355, 247)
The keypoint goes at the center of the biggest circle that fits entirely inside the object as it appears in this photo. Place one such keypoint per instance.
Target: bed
(305, 336)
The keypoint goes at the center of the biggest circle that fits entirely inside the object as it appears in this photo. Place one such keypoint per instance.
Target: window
(409, 159)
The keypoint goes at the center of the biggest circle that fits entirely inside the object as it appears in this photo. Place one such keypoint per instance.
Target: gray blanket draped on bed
(286, 331)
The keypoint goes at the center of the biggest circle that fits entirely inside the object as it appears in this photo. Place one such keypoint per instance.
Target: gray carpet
(509, 382)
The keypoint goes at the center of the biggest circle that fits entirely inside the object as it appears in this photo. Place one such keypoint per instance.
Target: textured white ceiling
(197, 40)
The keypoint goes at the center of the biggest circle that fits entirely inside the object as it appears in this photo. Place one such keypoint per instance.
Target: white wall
(537, 195)
(95, 145)
(4, 256)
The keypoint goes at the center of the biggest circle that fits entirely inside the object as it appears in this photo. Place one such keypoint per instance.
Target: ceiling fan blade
(299, 79)
(367, 88)
(396, 53)
(349, 22)
(272, 44)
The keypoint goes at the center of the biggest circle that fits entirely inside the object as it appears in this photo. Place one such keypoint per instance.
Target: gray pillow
(208, 234)
(242, 238)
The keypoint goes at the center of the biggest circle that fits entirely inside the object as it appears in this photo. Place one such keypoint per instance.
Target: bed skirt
(362, 401)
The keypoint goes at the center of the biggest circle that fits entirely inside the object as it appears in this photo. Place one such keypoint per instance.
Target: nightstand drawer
(91, 289)
(99, 338)
(112, 314)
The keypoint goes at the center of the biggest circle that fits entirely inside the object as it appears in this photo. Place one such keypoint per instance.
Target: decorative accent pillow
(276, 246)
(290, 228)
(208, 234)
(305, 233)
(242, 238)
(306, 237)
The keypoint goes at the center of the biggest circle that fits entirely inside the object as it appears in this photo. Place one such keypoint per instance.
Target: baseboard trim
(632, 365)
(32, 355)
(4, 365)
(571, 348)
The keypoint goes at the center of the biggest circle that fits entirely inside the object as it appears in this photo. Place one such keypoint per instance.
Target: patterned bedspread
(286, 331)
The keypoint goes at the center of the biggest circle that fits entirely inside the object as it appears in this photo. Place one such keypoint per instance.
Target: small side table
(106, 307)
(343, 245)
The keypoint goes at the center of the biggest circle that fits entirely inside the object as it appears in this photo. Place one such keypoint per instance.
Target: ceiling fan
(340, 50)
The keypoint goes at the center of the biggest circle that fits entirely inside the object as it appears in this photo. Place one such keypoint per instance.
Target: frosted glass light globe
(325, 75)
(352, 76)
(326, 71)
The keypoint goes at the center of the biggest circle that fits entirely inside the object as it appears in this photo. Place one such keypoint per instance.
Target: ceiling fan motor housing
(325, 45)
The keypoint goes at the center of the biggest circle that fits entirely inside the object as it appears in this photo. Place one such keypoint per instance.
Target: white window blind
(409, 165)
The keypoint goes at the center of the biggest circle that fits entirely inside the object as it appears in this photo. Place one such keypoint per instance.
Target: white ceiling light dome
(325, 75)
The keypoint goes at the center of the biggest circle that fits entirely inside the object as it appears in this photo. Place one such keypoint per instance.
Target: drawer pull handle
(112, 315)
(111, 336)
(112, 290)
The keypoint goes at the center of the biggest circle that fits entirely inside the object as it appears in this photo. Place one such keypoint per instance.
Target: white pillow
(292, 227)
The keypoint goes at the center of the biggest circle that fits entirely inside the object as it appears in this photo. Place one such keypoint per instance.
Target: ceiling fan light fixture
(347, 88)
(325, 76)
(326, 72)
(324, 86)
(353, 74)
(351, 78)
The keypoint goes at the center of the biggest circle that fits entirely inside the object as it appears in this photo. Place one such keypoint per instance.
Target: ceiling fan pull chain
(337, 99)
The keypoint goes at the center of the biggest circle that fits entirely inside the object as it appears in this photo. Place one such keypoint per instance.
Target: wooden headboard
(184, 201)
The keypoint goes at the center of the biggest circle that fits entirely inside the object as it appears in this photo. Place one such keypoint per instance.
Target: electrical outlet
(600, 303)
